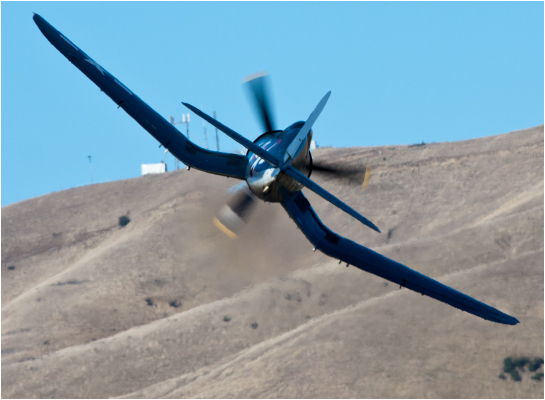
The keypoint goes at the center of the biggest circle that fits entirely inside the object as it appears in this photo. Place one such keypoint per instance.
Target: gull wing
(231, 165)
(363, 258)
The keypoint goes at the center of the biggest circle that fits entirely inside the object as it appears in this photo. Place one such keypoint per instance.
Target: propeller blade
(302, 134)
(260, 97)
(233, 215)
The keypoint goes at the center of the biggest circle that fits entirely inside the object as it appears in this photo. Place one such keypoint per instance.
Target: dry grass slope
(168, 306)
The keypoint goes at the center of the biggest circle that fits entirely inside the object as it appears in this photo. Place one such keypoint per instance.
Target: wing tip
(368, 223)
(511, 320)
(499, 317)
(374, 227)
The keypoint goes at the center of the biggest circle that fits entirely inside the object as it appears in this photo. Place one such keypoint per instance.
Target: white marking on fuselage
(93, 62)
(69, 42)
(123, 86)
(256, 160)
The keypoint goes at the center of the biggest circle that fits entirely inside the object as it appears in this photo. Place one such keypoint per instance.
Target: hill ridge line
(499, 137)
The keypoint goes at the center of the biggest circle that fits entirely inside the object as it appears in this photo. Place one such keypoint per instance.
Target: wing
(352, 253)
(232, 165)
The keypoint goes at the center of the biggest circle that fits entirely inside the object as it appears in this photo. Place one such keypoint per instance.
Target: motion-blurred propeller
(233, 215)
(352, 174)
(258, 90)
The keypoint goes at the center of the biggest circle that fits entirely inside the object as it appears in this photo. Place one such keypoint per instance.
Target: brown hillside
(168, 306)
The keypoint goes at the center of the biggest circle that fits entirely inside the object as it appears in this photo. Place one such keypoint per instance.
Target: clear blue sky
(400, 73)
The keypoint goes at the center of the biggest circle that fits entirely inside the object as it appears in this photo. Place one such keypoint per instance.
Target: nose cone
(263, 183)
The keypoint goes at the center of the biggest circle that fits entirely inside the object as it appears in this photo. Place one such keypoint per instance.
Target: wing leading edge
(231, 165)
(363, 258)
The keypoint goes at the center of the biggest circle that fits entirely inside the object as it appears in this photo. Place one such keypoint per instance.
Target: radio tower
(185, 120)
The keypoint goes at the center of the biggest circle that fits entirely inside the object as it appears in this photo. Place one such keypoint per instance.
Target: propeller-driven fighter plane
(278, 164)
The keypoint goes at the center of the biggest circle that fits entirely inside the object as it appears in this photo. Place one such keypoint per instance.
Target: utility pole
(217, 139)
(90, 169)
(205, 137)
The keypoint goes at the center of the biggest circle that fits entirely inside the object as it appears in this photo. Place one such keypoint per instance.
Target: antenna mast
(185, 120)
(205, 137)
(90, 169)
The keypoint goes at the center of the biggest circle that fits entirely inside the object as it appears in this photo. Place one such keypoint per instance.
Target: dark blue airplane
(276, 167)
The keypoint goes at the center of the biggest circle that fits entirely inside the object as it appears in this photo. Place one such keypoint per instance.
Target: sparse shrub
(502, 376)
(323, 299)
(538, 376)
(508, 365)
(149, 301)
(11, 267)
(287, 296)
(254, 325)
(175, 303)
(124, 221)
(535, 364)
(226, 318)
(515, 375)
(521, 362)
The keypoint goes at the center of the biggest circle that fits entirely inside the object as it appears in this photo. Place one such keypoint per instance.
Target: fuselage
(268, 182)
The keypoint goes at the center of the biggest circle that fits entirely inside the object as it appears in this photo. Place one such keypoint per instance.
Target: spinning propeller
(257, 87)
(236, 212)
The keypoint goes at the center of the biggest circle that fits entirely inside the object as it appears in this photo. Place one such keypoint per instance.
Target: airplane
(276, 167)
